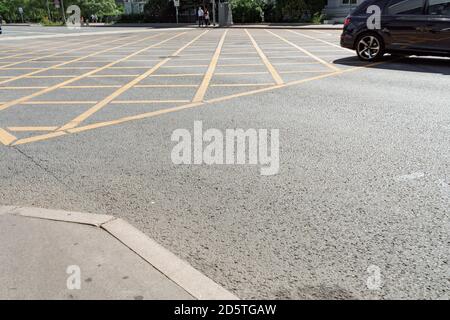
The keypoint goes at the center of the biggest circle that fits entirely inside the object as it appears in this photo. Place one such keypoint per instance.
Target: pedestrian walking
(206, 17)
(201, 17)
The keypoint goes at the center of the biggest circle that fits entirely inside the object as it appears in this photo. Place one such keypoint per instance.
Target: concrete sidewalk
(45, 254)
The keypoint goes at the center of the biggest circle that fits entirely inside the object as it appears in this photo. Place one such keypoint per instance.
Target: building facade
(133, 6)
(337, 10)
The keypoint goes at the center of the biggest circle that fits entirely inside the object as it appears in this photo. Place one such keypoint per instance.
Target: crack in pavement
(52, 174)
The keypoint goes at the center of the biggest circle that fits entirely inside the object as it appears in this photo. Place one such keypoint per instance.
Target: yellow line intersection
(160, 75)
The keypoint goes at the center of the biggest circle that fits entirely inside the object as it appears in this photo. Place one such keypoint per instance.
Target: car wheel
(369, 47)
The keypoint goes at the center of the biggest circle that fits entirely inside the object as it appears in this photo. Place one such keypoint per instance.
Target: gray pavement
(364, 163)
(55, 254)
(41, 258)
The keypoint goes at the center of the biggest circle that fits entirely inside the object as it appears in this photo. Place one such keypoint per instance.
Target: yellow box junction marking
(276, 77)
(54, 54)
(209, 73)
(65, 83)
(6, 138)
(329, 65)
(75, 122)
(32, 74)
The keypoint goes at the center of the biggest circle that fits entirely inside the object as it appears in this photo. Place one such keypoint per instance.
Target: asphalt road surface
(364, 180)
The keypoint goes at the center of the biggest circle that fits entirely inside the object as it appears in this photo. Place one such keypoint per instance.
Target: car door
(403, 23)
(438, 26)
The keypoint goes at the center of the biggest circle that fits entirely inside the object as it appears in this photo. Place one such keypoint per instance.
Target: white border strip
(66, 216)
(7, 209)
(179, 271)
(92, 33)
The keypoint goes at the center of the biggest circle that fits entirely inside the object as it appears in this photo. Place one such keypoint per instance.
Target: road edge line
(95, 220)
(179, 271)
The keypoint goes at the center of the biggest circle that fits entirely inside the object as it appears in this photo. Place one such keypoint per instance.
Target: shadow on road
(412, 64)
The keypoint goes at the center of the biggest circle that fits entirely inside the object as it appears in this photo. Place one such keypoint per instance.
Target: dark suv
(406, 27)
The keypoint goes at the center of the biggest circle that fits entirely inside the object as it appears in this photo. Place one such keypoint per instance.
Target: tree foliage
(37, 10)
(247, 10)
(159, 11)
(275, 10)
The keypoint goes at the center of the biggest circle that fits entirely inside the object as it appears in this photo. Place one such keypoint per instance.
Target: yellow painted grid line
(240, 65)
(20, 68)
(40, 137)
(178, 108)
(200, 94)
(321, 40)
(6, 138)
(91, 87)
(240, 84)
(26, 129)
(186, 66)
(240, 73)
(177, 75)
(21, 88)
(147, 101)
(166, 86)
(304, 71)
(183, 107)
(32, 74)
(54, 54)
(28, 52)
(329, 65)
(82, 117)
(37, 102)
(199, 104)
(64, 83)
(113, 76)
(276, 77)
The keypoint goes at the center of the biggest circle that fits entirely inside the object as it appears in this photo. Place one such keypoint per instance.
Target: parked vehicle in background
(408, 27)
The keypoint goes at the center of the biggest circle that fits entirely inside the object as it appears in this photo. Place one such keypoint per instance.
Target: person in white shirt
(201, 16)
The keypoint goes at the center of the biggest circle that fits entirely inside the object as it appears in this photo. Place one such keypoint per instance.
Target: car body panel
(415, 34)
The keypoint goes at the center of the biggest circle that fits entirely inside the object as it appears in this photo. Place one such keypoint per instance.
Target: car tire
(369, 47)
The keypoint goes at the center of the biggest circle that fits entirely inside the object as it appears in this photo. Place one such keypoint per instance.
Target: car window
(406, 7)
(439, 7)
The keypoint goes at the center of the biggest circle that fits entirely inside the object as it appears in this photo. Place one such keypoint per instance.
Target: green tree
(275, 10)
(293, 10)
(247, 11)
(36, 10)
(159, 11)
(101, 8)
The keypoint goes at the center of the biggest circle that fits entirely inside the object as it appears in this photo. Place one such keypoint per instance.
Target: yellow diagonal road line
(53, 54)
(182, 107)
(33, 51)
(6, 138)
(269, 66)
(64, 63)
(320, 40)
(26, 129)
(75, 122)
(87, 74)
(199, 96)
(329, 65)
